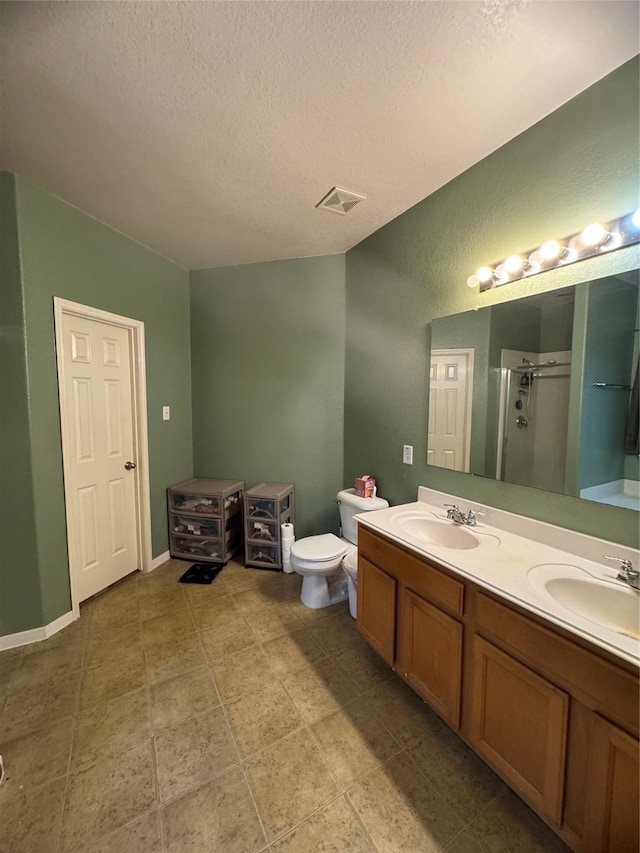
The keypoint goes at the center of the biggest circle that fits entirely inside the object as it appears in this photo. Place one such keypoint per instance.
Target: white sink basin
(609, 604)
(438, 532)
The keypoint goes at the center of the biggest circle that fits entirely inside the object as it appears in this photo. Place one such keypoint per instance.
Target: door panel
(113, 418)
(519, 723)
(88, 526)
(377, 609)
(450, 379)
(432, 655)
(97, 396)
(611, 814)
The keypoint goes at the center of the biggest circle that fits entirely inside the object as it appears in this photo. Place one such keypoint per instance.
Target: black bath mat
(201, 573)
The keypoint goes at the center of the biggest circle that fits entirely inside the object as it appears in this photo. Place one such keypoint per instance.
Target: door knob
(129, 465)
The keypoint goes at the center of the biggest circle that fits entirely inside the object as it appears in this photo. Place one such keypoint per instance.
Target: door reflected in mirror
(538, 391)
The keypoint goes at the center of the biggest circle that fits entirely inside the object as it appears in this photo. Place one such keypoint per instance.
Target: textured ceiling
(209, 130)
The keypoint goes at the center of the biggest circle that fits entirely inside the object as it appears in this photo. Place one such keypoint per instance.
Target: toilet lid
(323, 547)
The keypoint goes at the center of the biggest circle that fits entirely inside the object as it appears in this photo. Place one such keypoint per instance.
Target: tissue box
(364, 486)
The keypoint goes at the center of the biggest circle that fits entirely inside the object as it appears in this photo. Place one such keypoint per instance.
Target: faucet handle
(626, 568)
(472, 514)
(453, 506)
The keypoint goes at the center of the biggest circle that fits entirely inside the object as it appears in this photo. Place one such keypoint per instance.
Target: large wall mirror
(539, 391)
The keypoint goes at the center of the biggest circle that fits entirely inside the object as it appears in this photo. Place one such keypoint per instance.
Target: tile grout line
(237, 747)
(345, 788)
(112, 832)
(145, 686)
(154, 752)
(65, 796)
(361, 821)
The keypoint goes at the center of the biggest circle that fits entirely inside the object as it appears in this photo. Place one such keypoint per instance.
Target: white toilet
(319, 558)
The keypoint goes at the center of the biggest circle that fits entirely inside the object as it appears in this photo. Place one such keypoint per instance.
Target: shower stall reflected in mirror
(534, 418)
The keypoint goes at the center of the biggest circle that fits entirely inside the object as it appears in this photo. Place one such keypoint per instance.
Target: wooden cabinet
(611, 814)
(430, 654)
(377, 609)
(205, 519)
(518, 722)
(555, 716)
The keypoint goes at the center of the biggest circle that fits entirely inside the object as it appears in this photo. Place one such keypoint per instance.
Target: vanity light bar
(593, 240)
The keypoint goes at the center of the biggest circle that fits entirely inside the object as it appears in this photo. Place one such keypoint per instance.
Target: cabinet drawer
(196, 547)
(262, 531)
(262, 508)
(195, 526)
(600, 684)
(197, 504)
(428, 581)
(263, 555)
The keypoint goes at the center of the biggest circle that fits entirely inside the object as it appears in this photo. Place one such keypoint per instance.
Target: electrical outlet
(407, 454)
(166, 413)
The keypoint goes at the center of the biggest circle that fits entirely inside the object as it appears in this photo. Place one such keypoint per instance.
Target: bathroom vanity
(470, 618)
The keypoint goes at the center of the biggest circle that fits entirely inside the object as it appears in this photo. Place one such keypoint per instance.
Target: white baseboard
(159, 560)
(34, 635)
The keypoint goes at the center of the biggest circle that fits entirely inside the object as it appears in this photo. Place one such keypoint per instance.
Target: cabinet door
(431, 655)
(519, 724)
(377, 609)
(611, 812)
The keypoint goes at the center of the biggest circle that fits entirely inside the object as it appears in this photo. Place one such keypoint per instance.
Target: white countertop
(510, 547)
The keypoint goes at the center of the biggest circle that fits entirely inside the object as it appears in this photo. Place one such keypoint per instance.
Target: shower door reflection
(534, 418)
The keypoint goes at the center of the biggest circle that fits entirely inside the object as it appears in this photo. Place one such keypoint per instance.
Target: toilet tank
(351, 505)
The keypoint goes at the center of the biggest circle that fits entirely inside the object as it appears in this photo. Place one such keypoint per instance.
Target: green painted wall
(18, 561)
(556, 327)
(68, 254)
(268, 379)
(578, 165)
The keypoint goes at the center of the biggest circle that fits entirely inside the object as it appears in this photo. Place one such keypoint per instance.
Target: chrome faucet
(454, 513)
(627, 573)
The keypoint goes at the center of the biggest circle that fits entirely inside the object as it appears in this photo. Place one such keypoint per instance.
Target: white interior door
(98, 444)
(450, 389)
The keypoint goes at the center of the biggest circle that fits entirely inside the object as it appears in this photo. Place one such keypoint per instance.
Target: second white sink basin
(438, 532)
(609, 604)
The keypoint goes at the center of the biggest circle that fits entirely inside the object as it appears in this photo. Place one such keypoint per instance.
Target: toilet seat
(320, 548)
(319, 555)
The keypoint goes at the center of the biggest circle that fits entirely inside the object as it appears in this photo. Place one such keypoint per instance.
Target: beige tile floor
(229, 718)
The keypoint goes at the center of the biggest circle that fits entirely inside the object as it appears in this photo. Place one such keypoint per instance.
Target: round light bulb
(472, 281)
(484, 274)
(635, 219)
(534, 261)
(551, 250)
(594, 235)
(514, 263)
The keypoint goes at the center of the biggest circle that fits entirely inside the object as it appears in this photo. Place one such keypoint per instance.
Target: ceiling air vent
(340, 201)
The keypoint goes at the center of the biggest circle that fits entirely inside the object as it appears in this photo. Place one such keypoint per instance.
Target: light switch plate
(166, 413)
(407, 454)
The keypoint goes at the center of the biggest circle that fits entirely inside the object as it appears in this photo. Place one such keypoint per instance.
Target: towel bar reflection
(611, 385)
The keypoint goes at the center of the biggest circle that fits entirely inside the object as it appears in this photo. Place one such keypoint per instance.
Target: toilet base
(320, 592)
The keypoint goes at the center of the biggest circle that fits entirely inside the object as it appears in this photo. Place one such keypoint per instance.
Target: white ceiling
(209, 130)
